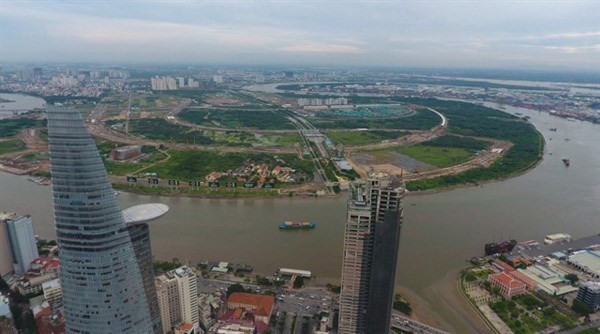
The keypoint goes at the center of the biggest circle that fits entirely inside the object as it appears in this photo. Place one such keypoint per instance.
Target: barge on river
(290, 225)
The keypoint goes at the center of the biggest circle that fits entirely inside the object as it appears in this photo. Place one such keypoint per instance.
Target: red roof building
(529, 283)
(49, 322)
(509, 286)
(261, 306)
(503, 265)
(46, 264)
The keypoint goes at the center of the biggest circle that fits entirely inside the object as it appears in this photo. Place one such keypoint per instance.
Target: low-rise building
(205, 311)
(586, 261)
(249, 308)
(295, 272)
(41, 270)
(508, 285)
(548, 280)
(230, 328)
(529, 283)
(53, 291)
(557, 238)
(48, 320)
(126, 152)
(4, 307)
(185, 328)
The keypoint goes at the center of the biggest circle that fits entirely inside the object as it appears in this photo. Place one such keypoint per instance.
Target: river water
(440, 230)
(19, 104)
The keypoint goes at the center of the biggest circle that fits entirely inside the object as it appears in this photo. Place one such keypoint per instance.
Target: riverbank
(452, 305)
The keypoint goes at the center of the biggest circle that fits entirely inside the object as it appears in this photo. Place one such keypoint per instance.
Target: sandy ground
(452, 305)
(422, 311)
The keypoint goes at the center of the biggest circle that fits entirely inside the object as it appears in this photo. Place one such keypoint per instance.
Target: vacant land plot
(184, 165)
(422, 119)
(354, 138)
(440, 152)
(12, 145)
(437, 156)
(159, 129)
(12, 126)
(237, 118)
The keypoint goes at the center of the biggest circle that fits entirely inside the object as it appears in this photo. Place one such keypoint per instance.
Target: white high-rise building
(163, 83)
(177, 293)
(6, 262)
(21, 241)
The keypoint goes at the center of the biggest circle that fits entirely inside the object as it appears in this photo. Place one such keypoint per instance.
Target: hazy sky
(497, 34)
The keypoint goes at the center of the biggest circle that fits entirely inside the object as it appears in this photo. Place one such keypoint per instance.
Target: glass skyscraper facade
(103, 290)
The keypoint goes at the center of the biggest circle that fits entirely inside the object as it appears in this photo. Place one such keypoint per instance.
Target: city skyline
(509, 34)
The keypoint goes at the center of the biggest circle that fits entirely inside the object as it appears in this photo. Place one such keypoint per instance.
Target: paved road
(592, 324)
(408, 324)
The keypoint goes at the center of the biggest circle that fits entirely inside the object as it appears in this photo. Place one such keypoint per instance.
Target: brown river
(440, 230)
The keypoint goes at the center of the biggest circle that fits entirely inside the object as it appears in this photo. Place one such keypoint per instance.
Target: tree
(470, 277)
(401, 305)
(334, 288)
(235, 288)
(581, 308)
(573, 278)
(3, 285)
(299, 282)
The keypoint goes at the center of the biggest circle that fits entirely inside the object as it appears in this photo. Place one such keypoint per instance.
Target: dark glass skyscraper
(371, 240)
(140, 239)
(103, 290)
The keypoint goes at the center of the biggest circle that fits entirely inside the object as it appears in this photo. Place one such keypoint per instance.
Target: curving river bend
(440, 230)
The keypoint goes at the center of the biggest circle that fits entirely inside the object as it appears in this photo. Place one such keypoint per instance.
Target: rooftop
(263, 303)
(506, 280)
(588, 259)
(45, 263)
(144, 212)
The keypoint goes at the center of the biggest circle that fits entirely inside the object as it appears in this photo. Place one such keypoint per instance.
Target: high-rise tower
(21, 241)
(140, 239)
(103, 291)
(177, 292)
(371, 240)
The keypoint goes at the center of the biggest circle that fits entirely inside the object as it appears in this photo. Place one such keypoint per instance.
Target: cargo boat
(289, 225)
(502, 247)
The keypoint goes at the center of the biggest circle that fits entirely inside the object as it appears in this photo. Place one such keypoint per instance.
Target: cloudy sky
(562, 35)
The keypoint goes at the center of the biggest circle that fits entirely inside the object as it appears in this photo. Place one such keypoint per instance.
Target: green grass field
(440, 152)
(355, 138)
(184, 165)
(121, 168)
(422, 119)
(12, 145)
(12, 126)
(36, 156)
(437, 156)
(237, 118)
